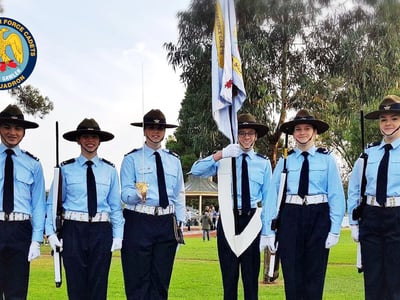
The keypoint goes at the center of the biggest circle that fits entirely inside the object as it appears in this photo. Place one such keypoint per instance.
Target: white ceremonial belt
(151, 210)
(390, 201)
(308, 199)
(84, 217)
(14, 216)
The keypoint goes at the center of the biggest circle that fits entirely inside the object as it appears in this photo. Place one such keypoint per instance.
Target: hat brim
(72, 136)
(259, 128)
(140, 124)
(23, 123)
(374, 115)
(288, 127)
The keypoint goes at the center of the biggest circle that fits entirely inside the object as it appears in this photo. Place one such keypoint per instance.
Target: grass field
(196, 275)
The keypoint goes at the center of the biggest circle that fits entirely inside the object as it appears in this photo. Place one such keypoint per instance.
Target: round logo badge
(18, 53)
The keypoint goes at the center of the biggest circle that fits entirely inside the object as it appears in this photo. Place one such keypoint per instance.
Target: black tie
(381, 182)
(304, 173)
(91, 190)
(245, 186)
(162, 188)
(8, 188)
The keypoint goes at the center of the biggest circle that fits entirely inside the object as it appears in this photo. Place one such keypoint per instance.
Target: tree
(31, 100)
(295, 54)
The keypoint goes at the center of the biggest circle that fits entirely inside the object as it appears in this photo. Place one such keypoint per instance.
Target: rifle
(358, 211)
(57, 215)
(279, 205)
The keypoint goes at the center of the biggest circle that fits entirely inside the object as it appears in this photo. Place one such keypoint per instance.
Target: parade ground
(196, 274)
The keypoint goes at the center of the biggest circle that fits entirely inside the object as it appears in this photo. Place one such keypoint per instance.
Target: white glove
(34, 251)
(54, 242)
(268, 241)
(232, 150)
(331, 240)
(116, 244)
(354, 233)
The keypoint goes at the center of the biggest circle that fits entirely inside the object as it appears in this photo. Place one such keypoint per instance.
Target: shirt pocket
(141, 173)
(394, 167)
(256, 179)
(102, 187)
(171, 177)
(319, 173)
(24, 177)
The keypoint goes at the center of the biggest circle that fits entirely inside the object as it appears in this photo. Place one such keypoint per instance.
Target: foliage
(316, 55)
(31, 101)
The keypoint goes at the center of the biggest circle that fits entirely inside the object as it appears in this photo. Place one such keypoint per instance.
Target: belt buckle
(305, 200)
(156, 210)
(90, 219)
(6, 217)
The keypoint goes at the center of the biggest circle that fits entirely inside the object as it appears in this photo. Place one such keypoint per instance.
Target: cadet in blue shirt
(378, 230)
(91, 231)
(259, 175)
(310, 220)
(154, 208)
(22, 206)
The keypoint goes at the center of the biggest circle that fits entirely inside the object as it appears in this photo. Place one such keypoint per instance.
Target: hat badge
(387, 107)
(156, 121)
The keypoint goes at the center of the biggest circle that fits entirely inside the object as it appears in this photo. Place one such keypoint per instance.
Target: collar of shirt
(311, 151)
(149, 152)
(82, 160)
(17, 149)
(395, 144)
(251, 154)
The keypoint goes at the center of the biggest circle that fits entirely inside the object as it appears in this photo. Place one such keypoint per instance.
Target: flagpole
(234, 179)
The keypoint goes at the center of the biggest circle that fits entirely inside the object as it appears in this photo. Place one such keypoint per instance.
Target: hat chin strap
(393, 132)
(247, 149)
(306, 142)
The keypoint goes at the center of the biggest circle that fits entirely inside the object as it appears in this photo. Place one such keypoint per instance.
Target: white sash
(238, 243)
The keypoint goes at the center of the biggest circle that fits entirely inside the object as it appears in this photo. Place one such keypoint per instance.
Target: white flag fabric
(226, 70)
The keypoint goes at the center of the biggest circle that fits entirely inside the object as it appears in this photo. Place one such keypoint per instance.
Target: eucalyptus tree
(295, 54)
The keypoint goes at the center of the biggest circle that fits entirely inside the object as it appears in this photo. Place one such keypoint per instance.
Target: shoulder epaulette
(374, 144)
(134, 150)
(262, 155)
(172, 153)
(323, 151)
(67, 162)
(31, 155)
(291, 152)
(107, 162)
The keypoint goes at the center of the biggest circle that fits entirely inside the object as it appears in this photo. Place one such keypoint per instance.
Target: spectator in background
(188, 218)
(206, 224)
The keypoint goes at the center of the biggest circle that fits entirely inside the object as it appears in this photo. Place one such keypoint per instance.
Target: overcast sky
(98, 59)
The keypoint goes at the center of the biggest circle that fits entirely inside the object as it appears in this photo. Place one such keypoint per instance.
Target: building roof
(196, 186)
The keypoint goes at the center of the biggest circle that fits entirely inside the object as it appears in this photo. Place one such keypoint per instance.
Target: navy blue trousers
(248, 263)
(380, 252)
(302, 234)
(147, 255)
(15, 239)
(87, 258)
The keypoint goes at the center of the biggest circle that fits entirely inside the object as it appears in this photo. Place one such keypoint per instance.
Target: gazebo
(200, 187)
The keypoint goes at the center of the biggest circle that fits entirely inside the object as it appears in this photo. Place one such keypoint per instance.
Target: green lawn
(196, 275)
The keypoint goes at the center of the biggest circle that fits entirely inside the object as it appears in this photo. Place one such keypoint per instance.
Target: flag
(226, 70)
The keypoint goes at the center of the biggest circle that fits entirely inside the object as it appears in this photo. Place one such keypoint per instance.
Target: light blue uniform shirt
(140, 166)
(375, 154)
(74, 192)
(324, 179)
(260, 172)
(29, 188)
